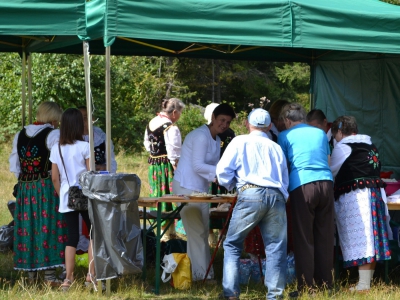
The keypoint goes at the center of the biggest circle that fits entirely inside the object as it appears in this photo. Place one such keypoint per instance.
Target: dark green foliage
(191, 118)
(395, 2)
(244, 82)
(138, 85)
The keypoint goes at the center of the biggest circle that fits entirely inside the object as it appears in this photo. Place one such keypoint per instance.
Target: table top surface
(171, 199)
(393, 206)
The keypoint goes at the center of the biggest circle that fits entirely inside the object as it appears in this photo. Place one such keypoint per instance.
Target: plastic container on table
(392, 187)
(386, 174)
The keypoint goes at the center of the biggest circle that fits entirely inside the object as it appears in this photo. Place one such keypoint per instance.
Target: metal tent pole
(23, 88)
(30, 88)
(88, 103)
(108, 109)
(108, 131)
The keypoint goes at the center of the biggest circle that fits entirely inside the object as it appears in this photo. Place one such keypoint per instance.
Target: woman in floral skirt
(360, 210)
(40, 231)
(162, 139)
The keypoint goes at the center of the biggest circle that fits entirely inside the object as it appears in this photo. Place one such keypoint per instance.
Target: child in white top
(70, 158)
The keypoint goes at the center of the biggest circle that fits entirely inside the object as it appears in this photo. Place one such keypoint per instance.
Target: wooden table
(156, 203)
(393, 206)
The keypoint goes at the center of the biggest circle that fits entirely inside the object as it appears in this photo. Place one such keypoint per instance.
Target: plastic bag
(177, 265)
(169, 266)
(290, 270)
(182, 276)
(6, 238)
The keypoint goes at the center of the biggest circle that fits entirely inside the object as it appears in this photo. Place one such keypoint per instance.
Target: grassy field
(14, 286)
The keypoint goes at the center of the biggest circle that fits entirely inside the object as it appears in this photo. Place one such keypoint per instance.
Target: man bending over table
(257, 166)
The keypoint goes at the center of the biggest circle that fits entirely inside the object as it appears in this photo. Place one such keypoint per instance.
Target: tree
(244, 82)
(138, 85)
(10, 95)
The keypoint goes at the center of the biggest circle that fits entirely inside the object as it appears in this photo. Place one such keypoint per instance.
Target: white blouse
(198, 162)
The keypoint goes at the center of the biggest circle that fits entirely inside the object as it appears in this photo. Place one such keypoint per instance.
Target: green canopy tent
(352, 47)
(38, 25)
(301, 30)
(32, 26)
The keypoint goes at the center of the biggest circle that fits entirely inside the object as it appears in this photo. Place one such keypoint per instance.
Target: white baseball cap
(259, 118)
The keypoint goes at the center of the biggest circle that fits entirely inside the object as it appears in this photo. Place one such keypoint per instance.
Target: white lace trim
(354, 222)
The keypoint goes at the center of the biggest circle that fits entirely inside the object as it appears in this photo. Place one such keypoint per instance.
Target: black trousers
(72, 219)
(313, 233)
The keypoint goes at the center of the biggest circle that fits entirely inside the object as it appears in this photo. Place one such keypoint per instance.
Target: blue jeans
(266, 208)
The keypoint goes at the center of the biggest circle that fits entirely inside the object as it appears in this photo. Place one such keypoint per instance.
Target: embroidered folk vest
(158, 151)
(361, 169)
(34, 155)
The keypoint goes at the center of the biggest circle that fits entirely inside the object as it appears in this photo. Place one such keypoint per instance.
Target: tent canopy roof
(314, 24)
(276, 30)
(42, 25)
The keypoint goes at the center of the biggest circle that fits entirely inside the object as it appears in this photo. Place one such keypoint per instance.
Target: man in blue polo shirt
(311, 197)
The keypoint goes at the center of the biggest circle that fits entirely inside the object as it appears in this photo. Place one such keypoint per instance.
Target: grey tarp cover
(113, 211)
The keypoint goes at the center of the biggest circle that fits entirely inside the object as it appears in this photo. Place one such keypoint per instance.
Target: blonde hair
(48, 112)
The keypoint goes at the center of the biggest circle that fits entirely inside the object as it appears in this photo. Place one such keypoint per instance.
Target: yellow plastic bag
(182, 276)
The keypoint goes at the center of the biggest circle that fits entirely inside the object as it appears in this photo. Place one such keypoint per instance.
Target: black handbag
(76, 199)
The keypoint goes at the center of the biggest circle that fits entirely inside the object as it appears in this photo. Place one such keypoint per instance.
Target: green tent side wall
(369, 91)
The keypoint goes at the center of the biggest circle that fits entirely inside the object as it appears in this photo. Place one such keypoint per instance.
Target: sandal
(92, 282)
(66, 285)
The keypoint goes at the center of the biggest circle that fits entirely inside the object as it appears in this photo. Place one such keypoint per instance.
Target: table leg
(337, 263)
(144, 273)
(386, 272)
(159, 235)
(224, 229)
(158, 250)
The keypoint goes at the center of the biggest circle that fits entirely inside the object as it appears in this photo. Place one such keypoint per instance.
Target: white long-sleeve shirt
(199, 158)
(31, 130)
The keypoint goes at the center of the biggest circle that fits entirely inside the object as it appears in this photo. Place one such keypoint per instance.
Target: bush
(191, 118)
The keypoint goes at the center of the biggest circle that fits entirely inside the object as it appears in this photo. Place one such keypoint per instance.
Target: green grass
(13, 284)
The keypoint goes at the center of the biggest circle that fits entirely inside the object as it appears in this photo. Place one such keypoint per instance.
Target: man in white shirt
(257, 167)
